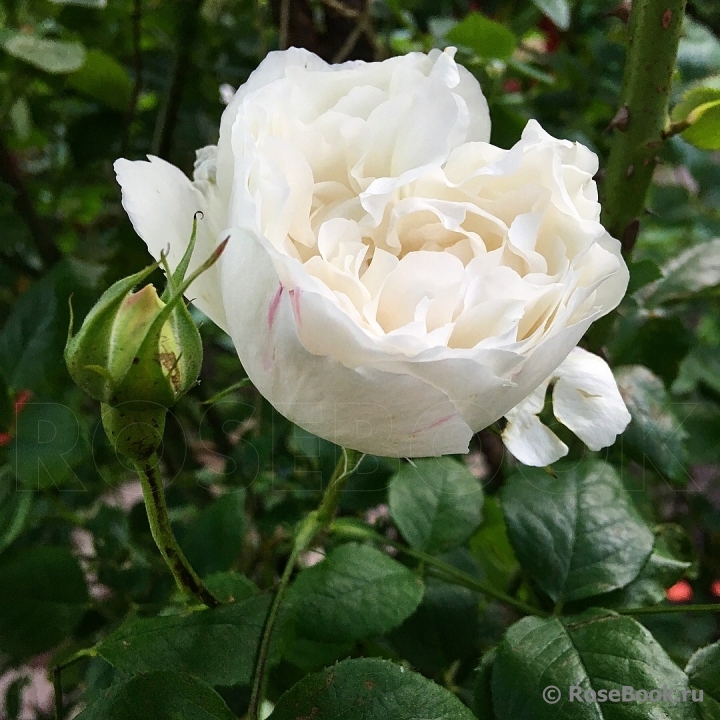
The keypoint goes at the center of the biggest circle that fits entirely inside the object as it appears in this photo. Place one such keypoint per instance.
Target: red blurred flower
(21, 400)
(680, 592)
(552, 34)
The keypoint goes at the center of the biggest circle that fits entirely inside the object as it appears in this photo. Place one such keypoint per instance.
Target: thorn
(629, 236)
(667, 18)
(622, 11)
(621, 119)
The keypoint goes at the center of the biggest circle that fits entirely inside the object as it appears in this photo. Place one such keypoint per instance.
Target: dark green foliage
(43, 596)
(368, 688)
(583, 537)
(595, 651)
(163, 695)
(357, 592)
(217, 645)
(415, 607)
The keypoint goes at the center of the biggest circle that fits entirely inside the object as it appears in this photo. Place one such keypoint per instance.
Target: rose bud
(394, 282)
(138, 354)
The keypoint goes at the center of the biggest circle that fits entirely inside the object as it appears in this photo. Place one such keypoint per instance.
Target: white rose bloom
(393, 282)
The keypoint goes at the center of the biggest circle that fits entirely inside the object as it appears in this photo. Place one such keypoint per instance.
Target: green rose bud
(138, 354)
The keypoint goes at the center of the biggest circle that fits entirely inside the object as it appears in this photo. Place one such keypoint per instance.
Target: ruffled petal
(586, 399)
(531, 442)
(161, 203)
(362, 408)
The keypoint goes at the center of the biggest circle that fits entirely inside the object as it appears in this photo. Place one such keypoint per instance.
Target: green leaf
(655, 436)
(658, 343)
(46, 447)
(26, 340)
(229, 587)
(595, 651)
(355, 593)
(703, 671)
(53, 56)
(437, 504)
(704, 132)
(15, 504)
(692, 272)
(482, 700)
(701, 367)
(642, 272)
(215, 538)
(161, 696)
(491, 546)
(487, 38)
(577, 534)
(557, 10)
(667, 564)
(442, 630)
(368, 689)
(216, 645)
(42, 598)
(103, 78)
(703, 427)
(310, 655)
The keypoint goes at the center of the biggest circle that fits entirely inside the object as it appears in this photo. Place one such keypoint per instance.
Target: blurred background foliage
(83, 82)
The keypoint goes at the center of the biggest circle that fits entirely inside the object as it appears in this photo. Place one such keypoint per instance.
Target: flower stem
(306, 532)
(655, 28)
(186, 578)
(663, 609)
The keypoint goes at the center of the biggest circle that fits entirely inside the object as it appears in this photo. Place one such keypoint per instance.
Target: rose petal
(361, 408)
(161, 202)
(586, 399)
(531, 442)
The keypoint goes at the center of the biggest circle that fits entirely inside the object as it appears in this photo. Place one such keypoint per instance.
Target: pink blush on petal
(295, 299)
(272, 309)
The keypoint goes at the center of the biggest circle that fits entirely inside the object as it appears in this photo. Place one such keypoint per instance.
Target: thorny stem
(308, 530)
(186, 578)
(655, 28)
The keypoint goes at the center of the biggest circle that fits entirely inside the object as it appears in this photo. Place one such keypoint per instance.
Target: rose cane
(138, 354)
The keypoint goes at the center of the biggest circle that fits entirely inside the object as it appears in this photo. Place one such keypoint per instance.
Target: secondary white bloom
(393, 282)
(585, 399)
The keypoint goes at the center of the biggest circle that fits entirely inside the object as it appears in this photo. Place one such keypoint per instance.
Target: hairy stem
(655, 27)
(186, 578)
(308, 530)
